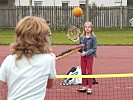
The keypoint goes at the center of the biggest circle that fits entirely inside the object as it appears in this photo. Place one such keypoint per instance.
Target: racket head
(73, 33)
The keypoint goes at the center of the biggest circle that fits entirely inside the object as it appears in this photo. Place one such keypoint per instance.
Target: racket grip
(80, 50)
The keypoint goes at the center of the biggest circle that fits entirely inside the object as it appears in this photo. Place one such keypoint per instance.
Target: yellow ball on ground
(77, 11)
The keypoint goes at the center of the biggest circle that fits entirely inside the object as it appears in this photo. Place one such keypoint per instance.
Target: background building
(103, 3)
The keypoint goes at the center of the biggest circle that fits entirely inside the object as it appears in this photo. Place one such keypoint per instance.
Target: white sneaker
(89, 91)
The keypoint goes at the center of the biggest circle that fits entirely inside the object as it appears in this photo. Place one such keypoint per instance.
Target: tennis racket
(69, 51)
(73, 33)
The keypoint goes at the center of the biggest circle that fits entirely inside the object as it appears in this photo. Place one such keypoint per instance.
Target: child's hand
(82, 45)
(83, 53)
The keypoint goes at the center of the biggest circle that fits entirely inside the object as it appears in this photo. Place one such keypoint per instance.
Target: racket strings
(73, 33)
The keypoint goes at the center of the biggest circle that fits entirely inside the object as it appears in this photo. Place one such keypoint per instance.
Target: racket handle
(80, 50)
(82, 46)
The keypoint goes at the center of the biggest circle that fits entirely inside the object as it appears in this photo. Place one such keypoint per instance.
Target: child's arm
(52, 75)
(54, 56)
(50, 83)
(1, 87)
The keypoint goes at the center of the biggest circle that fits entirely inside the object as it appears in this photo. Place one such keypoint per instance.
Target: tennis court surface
(110, 60)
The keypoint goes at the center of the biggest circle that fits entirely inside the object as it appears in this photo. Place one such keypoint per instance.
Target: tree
(3, 1)
(94, 5)
(129, 2)
(7, 2)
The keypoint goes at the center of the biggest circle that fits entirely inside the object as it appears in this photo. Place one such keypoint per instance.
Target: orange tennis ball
(77, 11)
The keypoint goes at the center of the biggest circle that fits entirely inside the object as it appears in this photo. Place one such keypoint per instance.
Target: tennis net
(106, 87)
(109, 87)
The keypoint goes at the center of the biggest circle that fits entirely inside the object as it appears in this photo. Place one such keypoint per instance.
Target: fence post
(120, 13)
(19, 13)
(87, 10)
(30, 4)
(121, 17)
(54, 17)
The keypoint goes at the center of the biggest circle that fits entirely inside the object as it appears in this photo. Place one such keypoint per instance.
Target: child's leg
(89, 69)
(83, 69)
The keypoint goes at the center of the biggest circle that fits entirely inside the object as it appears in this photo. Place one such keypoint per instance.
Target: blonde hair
(88, 23)
(31, 37)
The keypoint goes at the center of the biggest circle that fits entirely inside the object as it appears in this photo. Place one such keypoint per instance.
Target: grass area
(6, 36)
(104, 37)
(115, 37)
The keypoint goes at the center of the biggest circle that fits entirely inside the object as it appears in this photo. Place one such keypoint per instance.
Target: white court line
(123, 87)
(130, 87)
